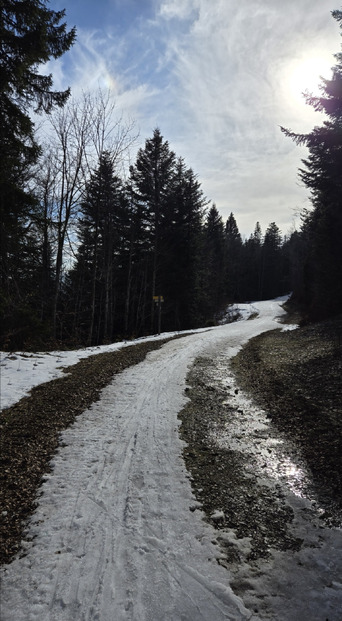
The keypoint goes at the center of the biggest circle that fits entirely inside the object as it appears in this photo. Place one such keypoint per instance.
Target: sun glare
(305, 75)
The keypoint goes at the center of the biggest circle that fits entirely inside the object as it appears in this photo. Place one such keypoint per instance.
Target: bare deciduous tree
(76, 136)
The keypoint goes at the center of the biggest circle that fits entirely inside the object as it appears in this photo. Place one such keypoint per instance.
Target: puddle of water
(249, 431)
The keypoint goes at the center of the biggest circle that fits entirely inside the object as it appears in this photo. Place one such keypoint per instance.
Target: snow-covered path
(115, 534)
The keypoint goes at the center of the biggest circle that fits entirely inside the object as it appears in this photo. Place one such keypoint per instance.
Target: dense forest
(93, 251)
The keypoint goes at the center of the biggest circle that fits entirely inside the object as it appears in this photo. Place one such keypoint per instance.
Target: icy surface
(118, 536)
(21, 371)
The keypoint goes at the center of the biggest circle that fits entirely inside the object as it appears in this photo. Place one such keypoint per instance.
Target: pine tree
(151, 181)
(271, 281)
(251, 266)
(180, 250)
(322, 174)
(30, 35)
(213, 263)
(233, 247)
(96, 277)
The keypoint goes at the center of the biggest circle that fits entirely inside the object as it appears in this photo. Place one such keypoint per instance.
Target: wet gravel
(225, 480)
(294, 380)
(295, 376)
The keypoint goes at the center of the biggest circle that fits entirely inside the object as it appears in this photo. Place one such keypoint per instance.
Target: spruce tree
(233, 247)
(321, 288)
(180, 250)
(97, 281)
(213, 263)
(151, 182)
(271, 278)
(30, 35)
(251, 266)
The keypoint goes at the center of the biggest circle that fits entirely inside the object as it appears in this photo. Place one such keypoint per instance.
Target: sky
(218, 78)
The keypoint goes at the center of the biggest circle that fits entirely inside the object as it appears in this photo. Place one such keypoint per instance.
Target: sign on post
(158, 300)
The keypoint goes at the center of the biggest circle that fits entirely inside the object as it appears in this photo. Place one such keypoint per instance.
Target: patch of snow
(118, 535)
(22, 371)
(217, 516)
(238, 312)
(289, 326)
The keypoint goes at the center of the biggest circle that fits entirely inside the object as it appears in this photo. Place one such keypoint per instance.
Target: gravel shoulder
(294, 375)
(297, 377)
(30, 434)
(294, 378)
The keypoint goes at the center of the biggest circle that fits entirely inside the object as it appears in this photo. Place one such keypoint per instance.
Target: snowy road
(114, 536)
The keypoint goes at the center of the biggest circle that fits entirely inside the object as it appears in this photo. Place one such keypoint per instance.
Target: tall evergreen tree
(180, 249)
(151, 181)
(322, 174)
(294, 253)
(213, 266)
(251, 266)
(30, 35)
(97, 275)
(271, 279)
(233, 247)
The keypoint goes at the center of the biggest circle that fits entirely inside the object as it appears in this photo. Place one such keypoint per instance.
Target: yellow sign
(158, 298)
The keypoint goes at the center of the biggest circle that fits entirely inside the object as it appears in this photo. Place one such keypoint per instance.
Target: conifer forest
(94, 250)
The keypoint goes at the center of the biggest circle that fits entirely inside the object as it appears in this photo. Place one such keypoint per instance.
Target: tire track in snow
(114, 537)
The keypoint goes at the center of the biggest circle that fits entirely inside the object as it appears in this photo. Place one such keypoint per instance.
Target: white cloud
(179, 9)
(217, 77)
(231, 88)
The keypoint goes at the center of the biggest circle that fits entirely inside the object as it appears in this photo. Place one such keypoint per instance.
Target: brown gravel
(297, 377)
(30, 434)
(221, 477)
